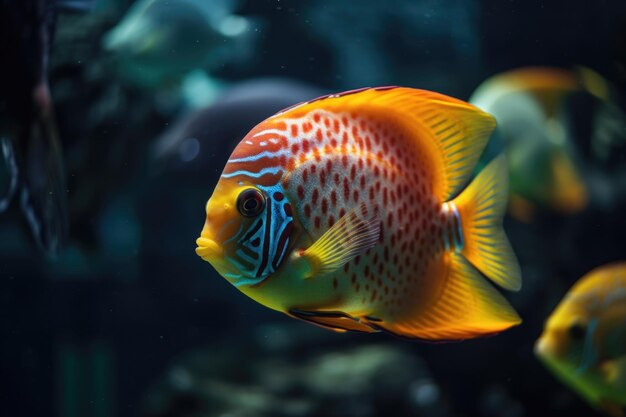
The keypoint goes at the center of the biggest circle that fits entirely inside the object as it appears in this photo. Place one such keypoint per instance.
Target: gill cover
(268, 235)
(264, 223)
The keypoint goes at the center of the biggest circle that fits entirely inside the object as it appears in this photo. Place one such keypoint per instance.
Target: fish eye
(577, 330)
(250, 202)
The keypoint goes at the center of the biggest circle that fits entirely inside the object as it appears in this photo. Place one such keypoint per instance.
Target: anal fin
(459, 303)
(334, 320)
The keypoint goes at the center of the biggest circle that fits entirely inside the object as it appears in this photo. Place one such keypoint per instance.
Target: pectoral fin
(344, 241)
(334, 320)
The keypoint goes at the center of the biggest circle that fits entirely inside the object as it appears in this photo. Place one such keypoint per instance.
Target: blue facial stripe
(245, 257)
(248, 281)
(259, 174)
(589, 354)
(242, 266)
(282, 243)
(260, 155)
(265, 243)
(235, 236)
(268, 236)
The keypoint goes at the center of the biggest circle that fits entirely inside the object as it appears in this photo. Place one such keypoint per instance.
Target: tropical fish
(349, 212)
(584, 340)
(536, 128)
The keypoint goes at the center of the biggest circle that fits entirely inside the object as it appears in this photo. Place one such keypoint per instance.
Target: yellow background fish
(349, 212)
(584, 341)
(530, 107)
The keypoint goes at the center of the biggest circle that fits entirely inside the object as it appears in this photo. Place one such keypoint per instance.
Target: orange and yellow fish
(349, 212)
(584, 340)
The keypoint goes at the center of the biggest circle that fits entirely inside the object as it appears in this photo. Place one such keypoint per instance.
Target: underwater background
(115, 314)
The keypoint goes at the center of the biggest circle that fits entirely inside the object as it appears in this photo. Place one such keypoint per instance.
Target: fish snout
(545, 347)
(208, 249)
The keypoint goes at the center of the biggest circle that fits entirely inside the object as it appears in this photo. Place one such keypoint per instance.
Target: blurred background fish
(159, 41)
(200, 138)
(584, 340)
(538, 111)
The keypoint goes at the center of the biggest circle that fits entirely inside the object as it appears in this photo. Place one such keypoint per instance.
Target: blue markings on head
(257, 174)
(589, 353)
(256, 157)
(262, 246)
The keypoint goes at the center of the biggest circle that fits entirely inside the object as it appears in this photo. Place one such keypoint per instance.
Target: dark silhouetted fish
(200, 142)
(538, 126)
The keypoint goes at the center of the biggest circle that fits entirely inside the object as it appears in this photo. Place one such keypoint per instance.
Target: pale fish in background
(535, 127)
(584, 340)
(158, 42)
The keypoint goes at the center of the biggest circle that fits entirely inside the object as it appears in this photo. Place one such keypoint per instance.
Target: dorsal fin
(457, 130)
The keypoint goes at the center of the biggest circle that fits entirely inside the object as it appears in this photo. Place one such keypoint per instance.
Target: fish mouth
(209, 250)
(545, 348)
(213, 253)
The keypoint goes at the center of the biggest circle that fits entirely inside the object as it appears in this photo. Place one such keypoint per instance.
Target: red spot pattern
(346, 189)
(346, 159)
(314, 196)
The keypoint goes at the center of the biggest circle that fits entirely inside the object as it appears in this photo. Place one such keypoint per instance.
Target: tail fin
(481, 208)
